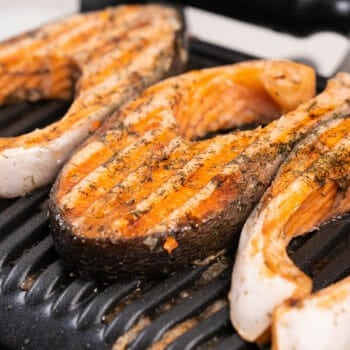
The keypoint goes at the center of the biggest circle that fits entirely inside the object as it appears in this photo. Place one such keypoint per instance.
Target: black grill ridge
(46, 284)
(43, 305)
(190, 306)
(203, 331)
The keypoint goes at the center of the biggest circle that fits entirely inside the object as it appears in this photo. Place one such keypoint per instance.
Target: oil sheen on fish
(142, 196)
(311, 187)
(103, 59)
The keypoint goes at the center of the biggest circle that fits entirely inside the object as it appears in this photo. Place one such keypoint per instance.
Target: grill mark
(73, 116)
(158, 175)
(113, 138)
(162, 192)
(297, 192)
(208, 185)
(80, 160)
(65, 37)
(121, 59)
(79, 170)
(322, 140)
(141, 209)
(110, 36)
(189, 168)
(90, 149)
(119, 83)
(55, 47)
(106, 64)
(58, 45)
(92, 215)
(60, 138)
(189, 206)
(13, 48)
(136, 35)
(72, 38)
(110, 83)
(304, 184)
(339, 152)
(201, 197)
(194, 184)
(279, 133)
(108, 168)
(142, 110)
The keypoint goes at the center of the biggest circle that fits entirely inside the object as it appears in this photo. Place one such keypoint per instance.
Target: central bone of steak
(142, 196)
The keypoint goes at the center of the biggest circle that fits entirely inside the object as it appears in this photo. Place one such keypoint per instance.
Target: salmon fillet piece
(102, 59)
(143, 196)
(311, 187)
(318, 322)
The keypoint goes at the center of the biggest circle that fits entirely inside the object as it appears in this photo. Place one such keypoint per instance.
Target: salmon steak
(102, 60)
(310, 188)
(146, 194)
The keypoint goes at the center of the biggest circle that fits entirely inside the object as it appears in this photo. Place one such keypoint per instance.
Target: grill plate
(42, 305)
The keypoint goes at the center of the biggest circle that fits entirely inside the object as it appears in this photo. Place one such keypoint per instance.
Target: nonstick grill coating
(44, 306)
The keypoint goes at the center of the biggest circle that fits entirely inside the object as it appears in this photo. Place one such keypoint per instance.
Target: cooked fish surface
(311, 187)
(140, 197)
(318, 322)
(103, 58)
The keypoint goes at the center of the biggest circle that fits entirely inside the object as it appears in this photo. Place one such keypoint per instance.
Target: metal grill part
(44, 306)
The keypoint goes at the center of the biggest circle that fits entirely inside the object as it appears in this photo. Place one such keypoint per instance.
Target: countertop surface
(324, 50)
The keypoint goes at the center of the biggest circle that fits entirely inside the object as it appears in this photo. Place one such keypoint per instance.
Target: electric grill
(45, 306)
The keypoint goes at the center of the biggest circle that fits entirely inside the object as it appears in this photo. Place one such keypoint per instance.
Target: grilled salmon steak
(143, 196)
(103, 59)
(318, 322)
(311, 187)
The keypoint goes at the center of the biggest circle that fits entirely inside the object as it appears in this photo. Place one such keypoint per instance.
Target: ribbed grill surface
(44, 306)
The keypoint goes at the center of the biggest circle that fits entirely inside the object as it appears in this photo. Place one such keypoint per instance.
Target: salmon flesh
(144, 196)
(102, 59)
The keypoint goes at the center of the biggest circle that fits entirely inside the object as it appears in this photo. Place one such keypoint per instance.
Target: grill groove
(18, 210)
(103, 303)
(45, 285)
(26, 264)
(151, 299)
(192, 305)
(24, 236)
(202, 332)
(338, 268)
(319, 244)
(73, 296)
